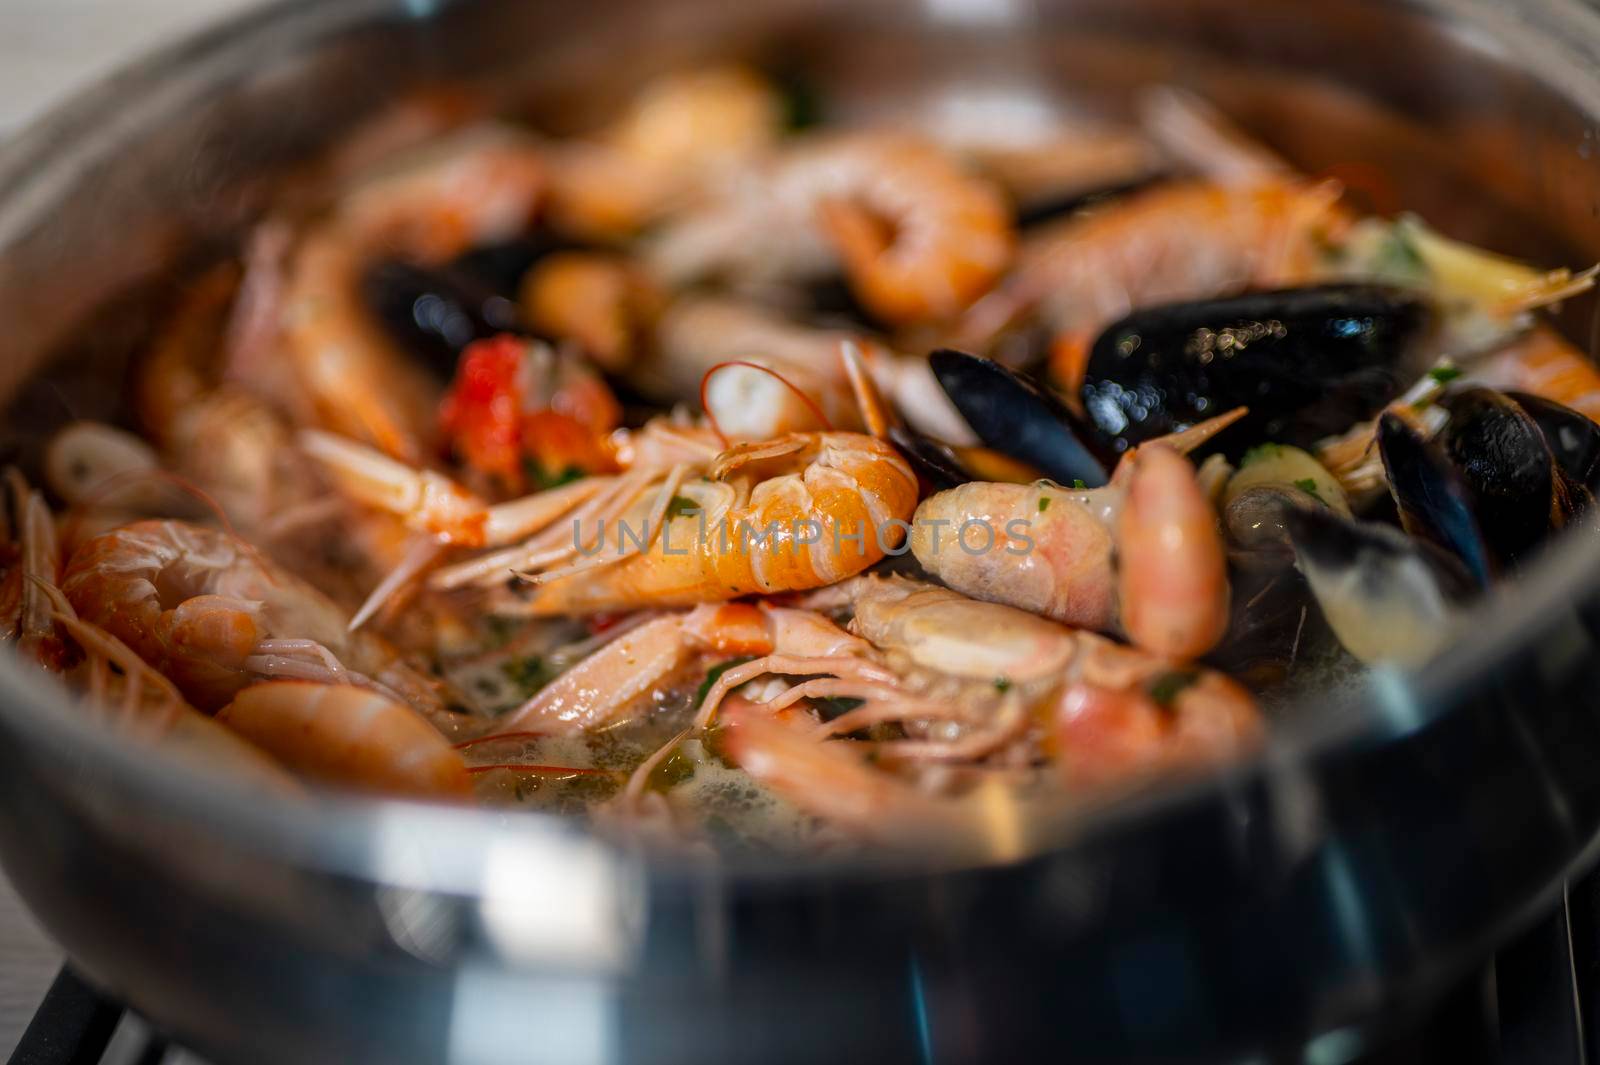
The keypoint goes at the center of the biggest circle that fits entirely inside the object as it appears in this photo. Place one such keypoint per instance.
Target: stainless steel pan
(1378, 845)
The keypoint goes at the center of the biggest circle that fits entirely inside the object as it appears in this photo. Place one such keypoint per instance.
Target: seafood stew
(744, 488)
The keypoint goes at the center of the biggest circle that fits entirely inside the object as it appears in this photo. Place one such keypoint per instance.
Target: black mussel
(935, 462)
(1308, 362)
(1386, 596)
(1273, 625)
(1018, 418)
(501, 267)
(1520, 493)
(433, 314)
(1431, 497)
(1573, 438)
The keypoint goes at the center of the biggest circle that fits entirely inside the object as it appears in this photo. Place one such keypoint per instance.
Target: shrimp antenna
(711, 417)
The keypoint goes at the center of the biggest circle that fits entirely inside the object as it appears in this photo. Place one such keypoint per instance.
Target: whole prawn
(918, 237)
(207, 611)
(349, 736)
(1143, 554)
(819, 507)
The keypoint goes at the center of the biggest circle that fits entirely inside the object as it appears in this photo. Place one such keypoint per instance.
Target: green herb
(680, 506)
(501, 629)
(1397, 259)
(543, 480)
(1308, 485)
(1167, 687)
(1444, 374)
(797, 92)
(1002, 684)
(835, 706)
(1261, 453)
(714, 674)
(529, 674)
(1044, 504)
(1077, 482)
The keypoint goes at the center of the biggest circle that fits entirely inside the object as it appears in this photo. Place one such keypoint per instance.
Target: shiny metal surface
(1380, 843)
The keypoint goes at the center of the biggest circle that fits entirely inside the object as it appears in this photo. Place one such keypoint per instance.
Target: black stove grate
(1536, 1002)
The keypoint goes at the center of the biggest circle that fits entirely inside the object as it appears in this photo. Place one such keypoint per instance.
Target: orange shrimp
(211, 614)
(1181, 241)
(348, 736)
(656, 655)
(918, 237)
(479, 185)
(681, 133)
(794, 513)
(1544, 363)
(971, 681)
(35, 564)
(1143, 553)
(125, 694)
(605, 304)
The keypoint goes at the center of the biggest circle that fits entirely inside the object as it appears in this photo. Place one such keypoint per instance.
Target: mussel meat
(434, 312)
(1386, 596)
(1306, 361)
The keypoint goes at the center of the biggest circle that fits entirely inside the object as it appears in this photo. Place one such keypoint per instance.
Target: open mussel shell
(1520, 493)
(1431, 496)
(432, 314)
(1387, 596)
(1016, 417)
(1573, 438)
(935, 462)
(1308, 362)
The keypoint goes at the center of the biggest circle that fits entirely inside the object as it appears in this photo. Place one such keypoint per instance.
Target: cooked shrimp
(681, 134)
(477, 186)
(774, 516)
(659, 653)
(212, 615)
(604, 303)
(919, 239)
(1143, 553)
(126, 695)
(1186, 240)
(348, 736)
(35, 563)
(1544, 363)
(972, 680)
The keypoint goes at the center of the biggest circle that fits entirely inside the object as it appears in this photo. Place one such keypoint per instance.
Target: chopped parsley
(714, 674)
(1308, 485)
(1444, 374)
(1002, 684)
(529, 674)
(1166, 688)
(1261, 453)
(543, 480)
(835, 706)
(1044, 504)
(680, 506)
(1077, 482)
